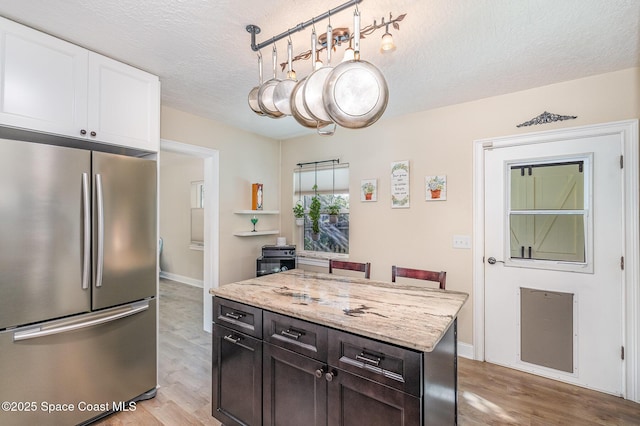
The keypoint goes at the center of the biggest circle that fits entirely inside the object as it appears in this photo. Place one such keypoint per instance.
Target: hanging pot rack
(342, 35)
(254, 29)
(331, 94)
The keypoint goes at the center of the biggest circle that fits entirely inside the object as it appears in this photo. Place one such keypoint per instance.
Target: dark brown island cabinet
(277, 370)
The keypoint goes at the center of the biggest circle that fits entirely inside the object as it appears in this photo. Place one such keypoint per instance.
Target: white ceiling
(449, 51)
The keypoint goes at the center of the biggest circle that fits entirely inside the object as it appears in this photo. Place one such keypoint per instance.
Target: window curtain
(328, 182)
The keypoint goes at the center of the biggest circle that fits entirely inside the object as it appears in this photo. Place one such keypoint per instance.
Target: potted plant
(298, 212)
(314, 215)
(334, 209)
(368, 189)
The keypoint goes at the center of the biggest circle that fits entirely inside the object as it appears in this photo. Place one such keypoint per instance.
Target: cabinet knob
(93, 133)
(320, 372)
(83, 132)
(330, 375)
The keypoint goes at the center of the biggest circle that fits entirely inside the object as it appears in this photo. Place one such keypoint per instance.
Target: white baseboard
(181, 279)
(465, 350)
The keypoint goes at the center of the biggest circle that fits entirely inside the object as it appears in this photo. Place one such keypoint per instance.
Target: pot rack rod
(254, 29)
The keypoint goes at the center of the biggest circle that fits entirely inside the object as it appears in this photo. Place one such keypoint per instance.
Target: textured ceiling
(448, 51)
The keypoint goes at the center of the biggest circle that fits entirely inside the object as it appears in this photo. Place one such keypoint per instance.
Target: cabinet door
(43, 81)
(236, 378)
(355, 401)
(293, 395)
(124, 104)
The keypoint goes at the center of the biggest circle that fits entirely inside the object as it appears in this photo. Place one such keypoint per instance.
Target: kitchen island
(302, 347)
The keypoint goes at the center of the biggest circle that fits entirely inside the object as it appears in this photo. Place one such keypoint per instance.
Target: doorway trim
(628, 132)
(211, 277)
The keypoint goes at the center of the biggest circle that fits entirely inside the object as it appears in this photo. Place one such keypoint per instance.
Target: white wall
(245, 158)
(440, 142)
(437, 141)
(176, 174)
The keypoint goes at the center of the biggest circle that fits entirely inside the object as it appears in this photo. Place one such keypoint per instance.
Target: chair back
(419, 274)
(350, 266)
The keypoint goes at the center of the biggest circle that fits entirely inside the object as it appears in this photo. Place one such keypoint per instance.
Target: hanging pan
(298, 110)
(313, 88)
(253, 94)
(282, 92)
(355, 93)
(265, 93)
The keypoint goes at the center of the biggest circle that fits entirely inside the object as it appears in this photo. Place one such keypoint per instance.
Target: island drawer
(238, 316)
(299, 336)
(384, 363)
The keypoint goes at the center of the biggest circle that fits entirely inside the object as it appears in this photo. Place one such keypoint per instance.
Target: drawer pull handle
(233, 315)
(231, 339)
(363, 357)
(292, 334)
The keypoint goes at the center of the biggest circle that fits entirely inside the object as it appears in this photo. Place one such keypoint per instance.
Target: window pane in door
(547, 211)
(557, 237)
(556, 186)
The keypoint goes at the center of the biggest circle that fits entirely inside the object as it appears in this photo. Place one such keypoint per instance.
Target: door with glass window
(553, 250)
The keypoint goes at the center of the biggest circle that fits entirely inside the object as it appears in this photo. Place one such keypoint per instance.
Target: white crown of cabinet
(52, 86)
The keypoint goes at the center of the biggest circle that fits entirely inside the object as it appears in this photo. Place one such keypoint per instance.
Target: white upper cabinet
(124, 104)
(52, 86)
(44, 81)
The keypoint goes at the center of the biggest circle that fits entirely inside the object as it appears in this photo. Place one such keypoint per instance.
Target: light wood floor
(488, 394)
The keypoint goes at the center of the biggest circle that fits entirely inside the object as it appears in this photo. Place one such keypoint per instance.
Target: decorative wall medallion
(546, 117)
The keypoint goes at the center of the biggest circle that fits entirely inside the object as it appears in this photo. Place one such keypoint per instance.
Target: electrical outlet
(461, 241)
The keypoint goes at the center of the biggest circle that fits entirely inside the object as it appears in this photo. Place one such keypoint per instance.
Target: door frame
(211, 277)
(627, 131)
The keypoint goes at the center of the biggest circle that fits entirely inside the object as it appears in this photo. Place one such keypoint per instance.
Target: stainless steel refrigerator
(78, 283)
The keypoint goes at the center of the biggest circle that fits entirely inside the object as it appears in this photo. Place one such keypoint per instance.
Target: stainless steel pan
(298, 110)
(282, 92)
(253, 94)
(313, 88)
(355, 94)
(265, 93)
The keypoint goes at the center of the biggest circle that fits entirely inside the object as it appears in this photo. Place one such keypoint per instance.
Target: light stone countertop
(409, 315)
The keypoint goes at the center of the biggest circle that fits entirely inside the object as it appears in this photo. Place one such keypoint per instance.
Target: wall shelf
(257, 233)
(256, 212)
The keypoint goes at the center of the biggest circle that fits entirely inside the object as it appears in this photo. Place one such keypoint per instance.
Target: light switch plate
(462, 241)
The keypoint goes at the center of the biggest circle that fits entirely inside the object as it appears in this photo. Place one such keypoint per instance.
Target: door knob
(492, 260)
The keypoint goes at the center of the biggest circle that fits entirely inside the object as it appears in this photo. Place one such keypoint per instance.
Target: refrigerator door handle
(100, 236)
(86, 217)
(33, 333)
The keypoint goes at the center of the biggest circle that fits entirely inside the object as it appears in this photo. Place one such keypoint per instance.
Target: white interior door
(554, 244)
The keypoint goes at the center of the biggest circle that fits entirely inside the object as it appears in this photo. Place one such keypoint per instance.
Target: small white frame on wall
(435, 187)
(400, 185)
(369, 190)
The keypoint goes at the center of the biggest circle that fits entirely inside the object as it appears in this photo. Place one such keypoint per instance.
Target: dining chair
(351, 266)
(419, 274)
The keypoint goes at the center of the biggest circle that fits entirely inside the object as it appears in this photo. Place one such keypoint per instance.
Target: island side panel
(440, 381)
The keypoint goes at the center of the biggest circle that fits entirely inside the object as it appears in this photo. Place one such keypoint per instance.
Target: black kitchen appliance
(276, 259)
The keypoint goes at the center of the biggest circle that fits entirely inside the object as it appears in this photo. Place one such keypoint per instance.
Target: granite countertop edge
(408, 315)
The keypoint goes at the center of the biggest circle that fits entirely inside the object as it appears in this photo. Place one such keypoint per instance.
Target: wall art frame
(369, 190)
(435, 187)
(400, 178)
